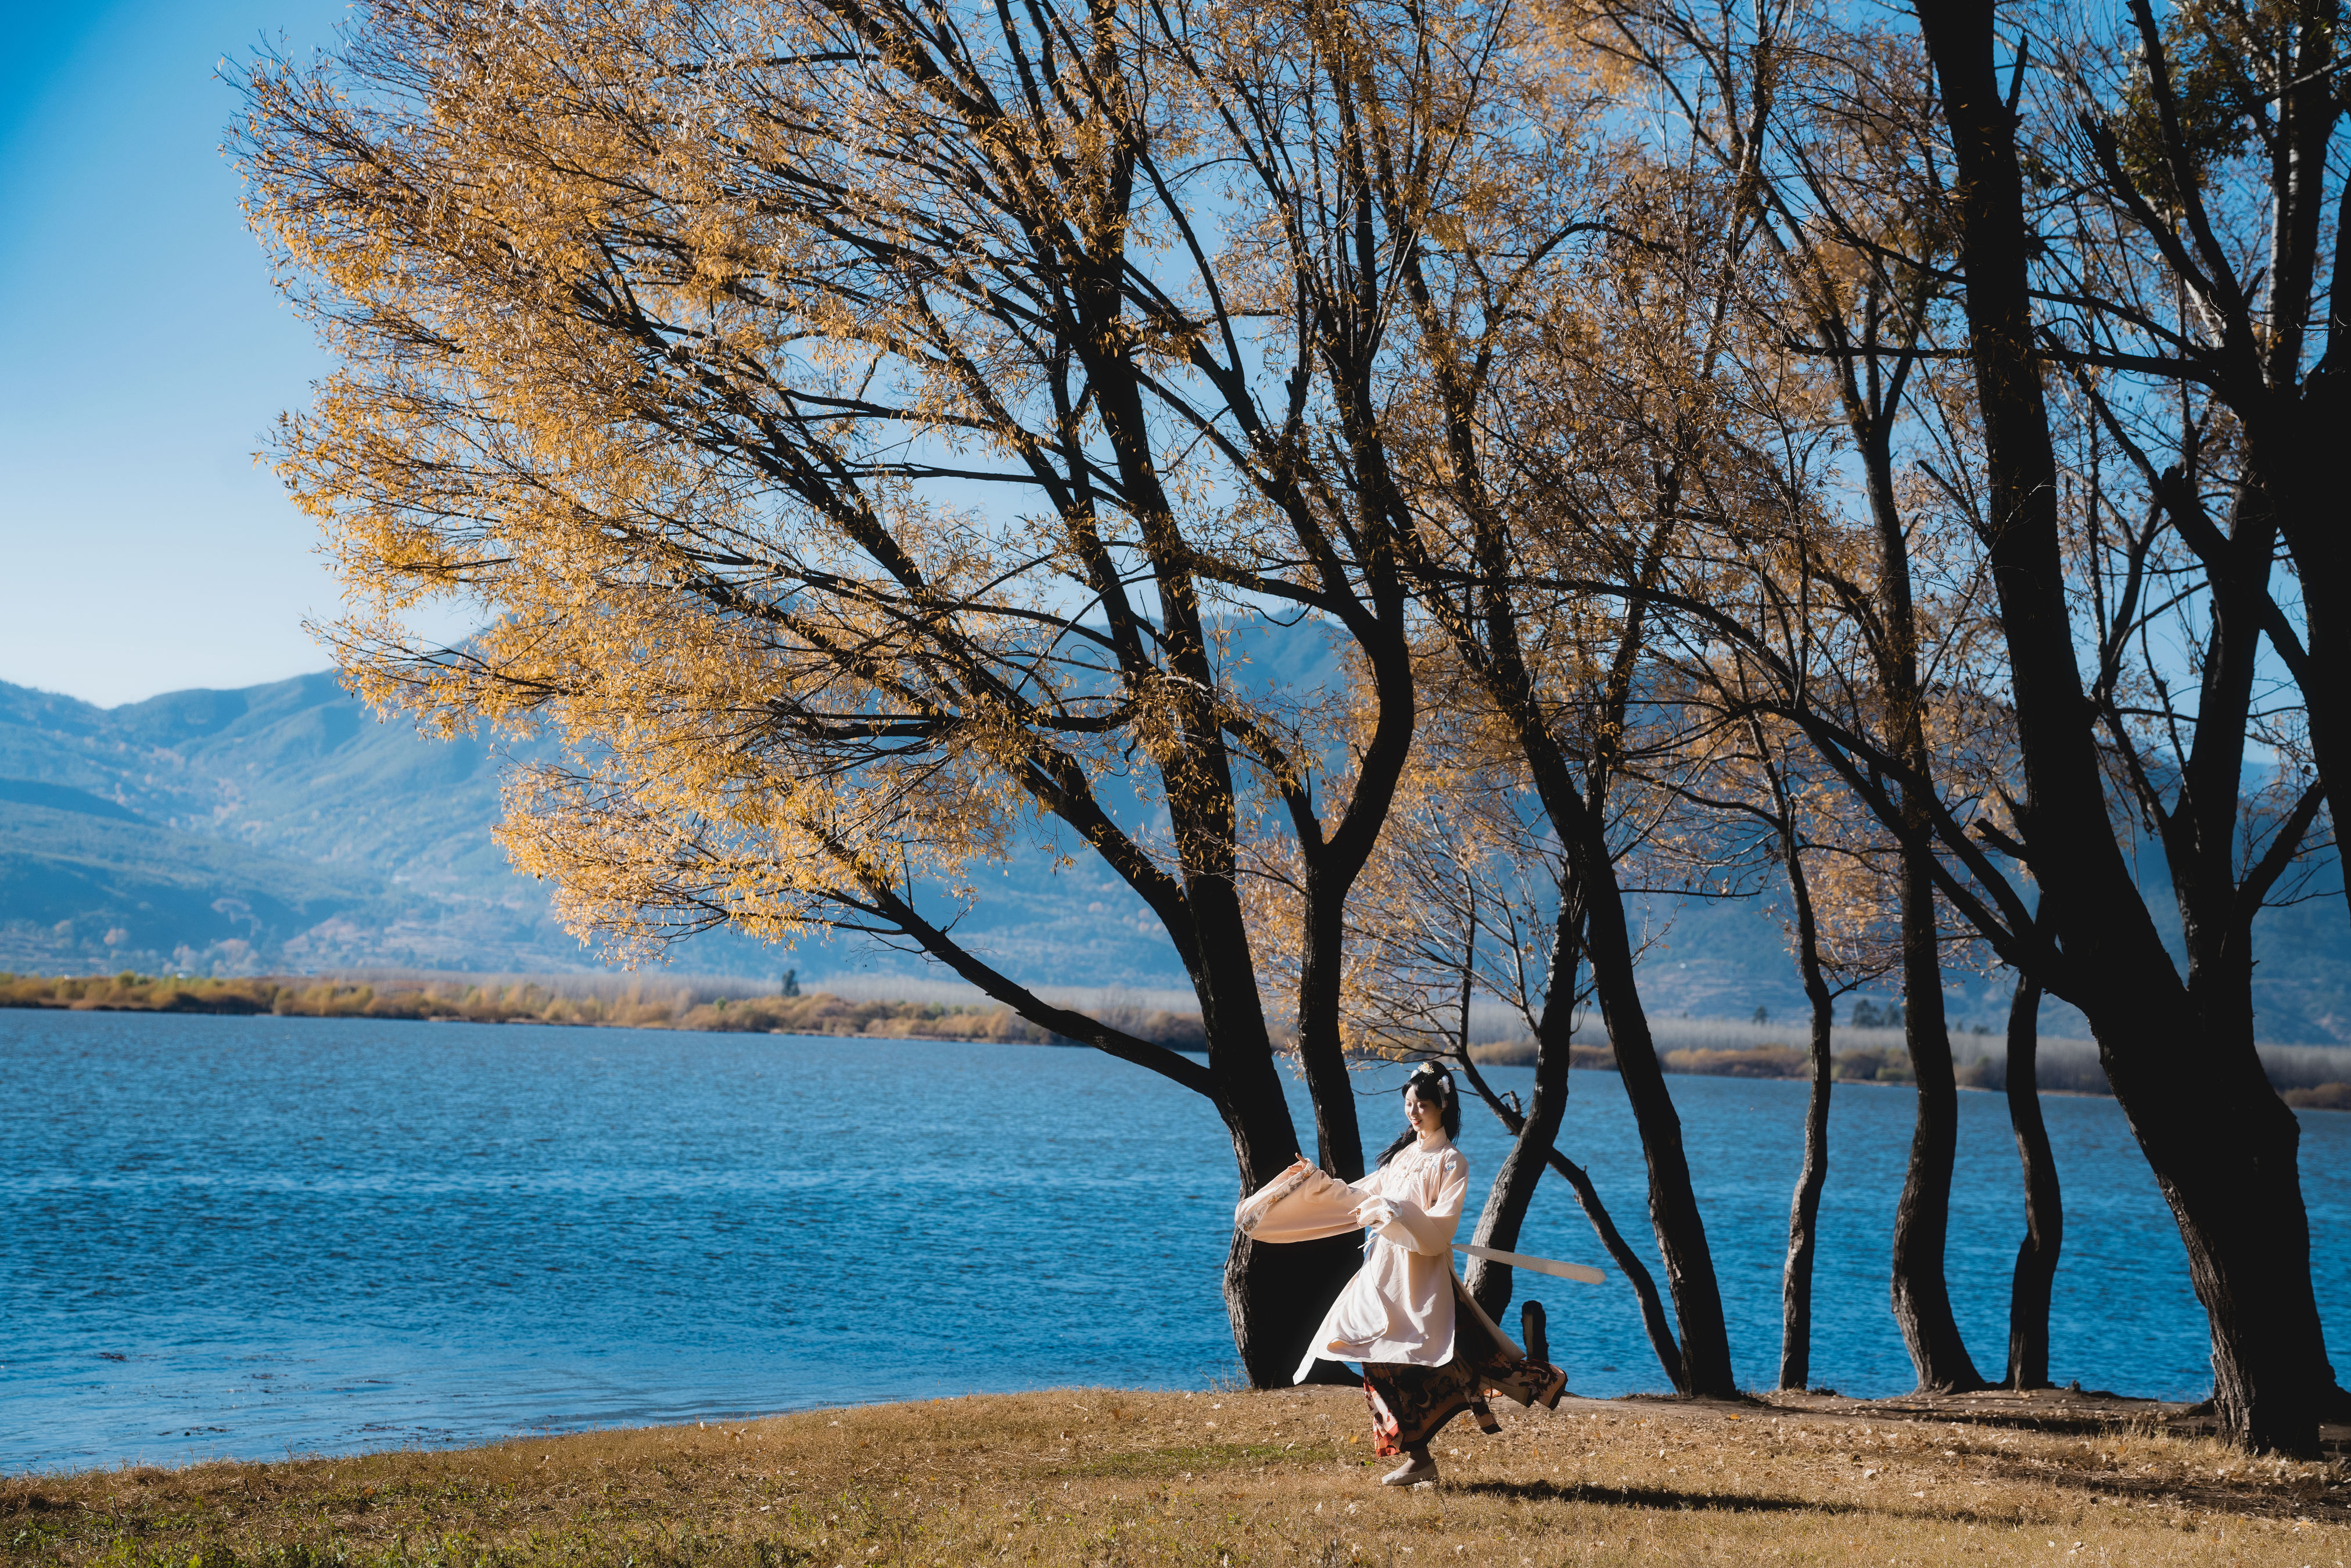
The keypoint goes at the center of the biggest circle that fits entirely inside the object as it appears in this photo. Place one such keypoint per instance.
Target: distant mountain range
(282, 828)
(279, 826)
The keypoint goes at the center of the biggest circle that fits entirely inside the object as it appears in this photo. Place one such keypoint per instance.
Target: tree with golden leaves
(888, 439)
(1575, 446)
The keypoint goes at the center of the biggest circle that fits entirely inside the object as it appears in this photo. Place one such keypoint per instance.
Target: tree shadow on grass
(1670, 1499)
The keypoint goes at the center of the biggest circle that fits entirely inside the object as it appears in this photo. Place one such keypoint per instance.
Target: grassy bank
(652, 1004)
(1089, 1476)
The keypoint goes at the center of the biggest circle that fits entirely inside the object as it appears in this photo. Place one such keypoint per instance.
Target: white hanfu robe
(1399, 1307)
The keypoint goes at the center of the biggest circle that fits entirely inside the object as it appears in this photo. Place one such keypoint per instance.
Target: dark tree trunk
(1636, 1273)
(1673, 1202)
(1674, 1214)
(1483, 624)
(2277, 354)
(2045, 1207)
(1628, 1263)
(1275, 1294)
(2225, 1150)
(1489, 1283)
(2223, 1147)
(1922, 1218)
(1921, 1295)
(1322, 1053)
(2327, 692)
(2221, 1144)
(1804, 1206)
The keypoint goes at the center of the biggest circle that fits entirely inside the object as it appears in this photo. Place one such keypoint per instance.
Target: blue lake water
(244, 1236)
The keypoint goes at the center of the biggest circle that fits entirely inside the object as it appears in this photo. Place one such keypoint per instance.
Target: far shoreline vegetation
(2307, 1077)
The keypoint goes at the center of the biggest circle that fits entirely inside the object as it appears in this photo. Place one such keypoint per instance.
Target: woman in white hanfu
(1428, 1351)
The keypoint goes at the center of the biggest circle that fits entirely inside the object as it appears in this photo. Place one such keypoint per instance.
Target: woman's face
(1426, 1115)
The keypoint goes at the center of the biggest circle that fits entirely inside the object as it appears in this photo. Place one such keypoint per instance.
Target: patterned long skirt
(1411, 1404)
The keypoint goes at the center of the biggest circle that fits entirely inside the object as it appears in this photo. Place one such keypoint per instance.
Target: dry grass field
(1095, 1477)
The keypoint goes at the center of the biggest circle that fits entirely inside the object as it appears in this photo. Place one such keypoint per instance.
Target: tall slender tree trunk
(1322, 1052)
(1513, 1188)
(1922, 1217)
(1673, 1201)
(2317, 506)
(2044, 1208)
(1535, 1137)
(1674, 1215)
(1805, 1206)
(1654, 1322)
(2314, 513)
(1484, 627)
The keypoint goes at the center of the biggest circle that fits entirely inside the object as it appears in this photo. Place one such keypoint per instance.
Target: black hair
(1431, 1082)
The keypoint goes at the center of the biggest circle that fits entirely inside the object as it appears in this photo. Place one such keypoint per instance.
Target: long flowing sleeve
(1301, 1204)
(1427, 1230)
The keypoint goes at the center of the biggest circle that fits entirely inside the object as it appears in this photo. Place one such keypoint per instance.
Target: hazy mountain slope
(324, 837)
(1725, 957)
(282, 827)
(296, 767)
(75, 877)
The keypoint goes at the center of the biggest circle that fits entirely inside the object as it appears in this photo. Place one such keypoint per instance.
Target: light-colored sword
(1539, 1265)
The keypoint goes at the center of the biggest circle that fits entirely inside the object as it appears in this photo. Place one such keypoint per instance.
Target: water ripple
(241, 1236)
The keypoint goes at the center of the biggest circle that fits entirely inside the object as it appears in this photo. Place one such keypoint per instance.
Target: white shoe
(1416, 1470)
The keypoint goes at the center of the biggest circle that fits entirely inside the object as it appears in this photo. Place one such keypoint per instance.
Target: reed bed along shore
(1220, 1480)
(635, 1004)
(2313, 1077)
(2309, 1077)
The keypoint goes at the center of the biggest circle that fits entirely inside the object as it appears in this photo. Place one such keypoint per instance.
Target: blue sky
(145, 358)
